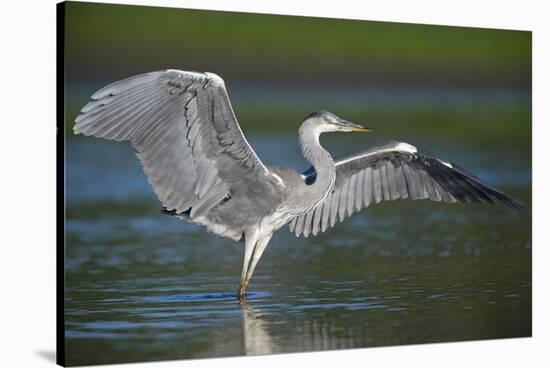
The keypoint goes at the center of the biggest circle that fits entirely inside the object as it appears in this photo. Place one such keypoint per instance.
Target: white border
(27, 148)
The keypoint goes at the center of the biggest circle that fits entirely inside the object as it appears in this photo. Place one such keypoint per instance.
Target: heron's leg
(249, 245)
(254, 248)
(258, 251)
(250, 241)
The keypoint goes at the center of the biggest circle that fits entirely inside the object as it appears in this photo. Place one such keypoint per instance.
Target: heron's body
(203, 170)
(231, 218)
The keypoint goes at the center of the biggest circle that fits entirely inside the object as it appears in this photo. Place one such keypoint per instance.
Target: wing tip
(216, 79)
(514, 203)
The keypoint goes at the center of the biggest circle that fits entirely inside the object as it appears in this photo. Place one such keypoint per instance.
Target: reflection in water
(304, 334)
(257, 340)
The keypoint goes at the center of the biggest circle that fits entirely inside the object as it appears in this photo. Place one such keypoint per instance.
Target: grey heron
(201, 167)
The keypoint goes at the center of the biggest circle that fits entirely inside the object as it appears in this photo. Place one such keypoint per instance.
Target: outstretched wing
(388, 172)
(185, 134)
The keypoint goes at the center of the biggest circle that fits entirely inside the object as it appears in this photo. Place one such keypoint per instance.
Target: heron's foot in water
(241, 294)
(243, 301)
(243, 289)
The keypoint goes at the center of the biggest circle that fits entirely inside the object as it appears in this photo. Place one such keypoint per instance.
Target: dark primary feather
(389, 172)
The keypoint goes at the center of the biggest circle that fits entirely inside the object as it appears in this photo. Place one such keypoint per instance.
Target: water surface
(143, 286)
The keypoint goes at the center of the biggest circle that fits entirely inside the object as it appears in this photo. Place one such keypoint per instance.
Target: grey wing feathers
(389, 172)
(184, 132)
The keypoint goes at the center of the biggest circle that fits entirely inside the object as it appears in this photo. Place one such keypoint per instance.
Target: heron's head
(323, 121)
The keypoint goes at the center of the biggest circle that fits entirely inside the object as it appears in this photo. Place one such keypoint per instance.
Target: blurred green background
(467, 83)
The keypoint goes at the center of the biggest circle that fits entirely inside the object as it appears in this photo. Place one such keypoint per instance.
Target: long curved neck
(321, 160)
